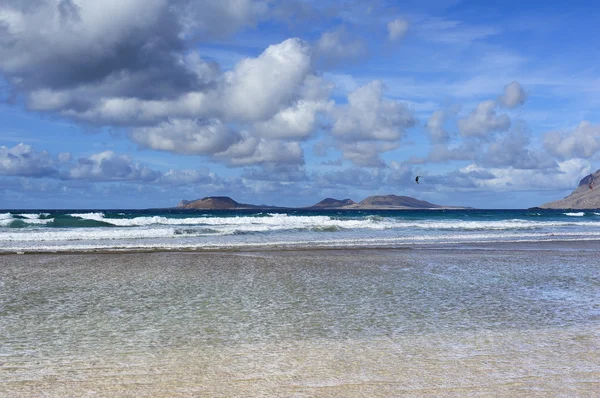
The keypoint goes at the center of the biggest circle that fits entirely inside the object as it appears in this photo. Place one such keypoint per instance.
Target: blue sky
(142, 103)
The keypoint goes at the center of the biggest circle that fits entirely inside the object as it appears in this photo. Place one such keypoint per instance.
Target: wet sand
(346, 323)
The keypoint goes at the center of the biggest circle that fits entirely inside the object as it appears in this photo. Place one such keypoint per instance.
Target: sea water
(166, 229)
(303, 323)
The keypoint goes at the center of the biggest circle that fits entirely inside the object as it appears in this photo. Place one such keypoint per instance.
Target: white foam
(276, 222)
(4, 216)
(7, 218)
(243, 224)
(576, 214)
(78, 234)
(30, 216)
(266, 229)
(339, 242)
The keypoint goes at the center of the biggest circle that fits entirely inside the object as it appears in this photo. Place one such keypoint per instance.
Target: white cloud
(221, 17)
(187, 136)
(582, 142)
(436, 124)
(259, 87)
(483, 121)
(513, 96)
(368, 116)
(370, 125)
(339, 45)
(299, 120)
(512, 150)
(22, 160)
(397, 29)
(108, 166)
(258, 151)
(366, 153)
(296, 122)
(511, 179)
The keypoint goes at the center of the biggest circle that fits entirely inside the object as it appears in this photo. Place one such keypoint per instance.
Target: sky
(142, 103)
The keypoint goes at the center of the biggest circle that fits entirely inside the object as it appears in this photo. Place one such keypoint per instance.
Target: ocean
(175, 229)
(296, 303)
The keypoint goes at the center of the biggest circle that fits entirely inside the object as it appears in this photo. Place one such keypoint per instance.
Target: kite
(417, 179)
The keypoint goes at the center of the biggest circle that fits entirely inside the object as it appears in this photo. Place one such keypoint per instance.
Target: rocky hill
(382, 202)
(394, 201)
(330, 203)
(214, 203)
(582, 197)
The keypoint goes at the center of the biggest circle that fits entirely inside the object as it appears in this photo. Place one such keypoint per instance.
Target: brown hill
(214, 202)
(330, 203)
(582, 197)
(394, 201)
(382, 202)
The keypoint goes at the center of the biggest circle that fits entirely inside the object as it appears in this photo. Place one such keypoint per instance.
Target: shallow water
(302, 323)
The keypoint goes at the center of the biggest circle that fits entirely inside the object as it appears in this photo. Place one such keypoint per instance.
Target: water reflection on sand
(301, 323)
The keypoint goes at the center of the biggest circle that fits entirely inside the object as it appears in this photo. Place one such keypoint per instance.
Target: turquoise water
(173, 229)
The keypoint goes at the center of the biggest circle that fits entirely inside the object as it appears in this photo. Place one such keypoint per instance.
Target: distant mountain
(214, 203)
(582, 197)
(394, 201)
(384, 202)
(330, 203)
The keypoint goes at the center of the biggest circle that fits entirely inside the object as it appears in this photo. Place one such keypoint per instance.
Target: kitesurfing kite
(417, 179)
(591, 182)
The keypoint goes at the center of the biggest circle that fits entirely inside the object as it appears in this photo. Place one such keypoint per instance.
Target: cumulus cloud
(397, 29)
(295, 122)
(131, 61)
(339, 45)
(258, 87)
(65, 43)
(513, 95)
(251, 150)
(512, 150)
(300, 119)
(582, 142)
(275, 94)
(510, 179)
(370, 125)
(368, 116)
(186, 136)
(108, 166)
(62, 44)
(483, 121)
(22, 160)
(436, 124)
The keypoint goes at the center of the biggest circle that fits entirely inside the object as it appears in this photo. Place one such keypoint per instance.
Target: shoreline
(529, 245)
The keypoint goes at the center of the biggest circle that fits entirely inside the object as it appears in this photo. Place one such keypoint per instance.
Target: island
(378, 202)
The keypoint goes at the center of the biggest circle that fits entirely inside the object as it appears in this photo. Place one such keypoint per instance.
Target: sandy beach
(503, 321)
